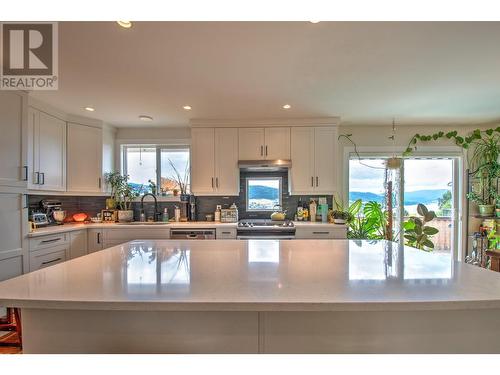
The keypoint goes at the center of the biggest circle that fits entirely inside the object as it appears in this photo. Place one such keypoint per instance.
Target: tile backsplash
(204, 204)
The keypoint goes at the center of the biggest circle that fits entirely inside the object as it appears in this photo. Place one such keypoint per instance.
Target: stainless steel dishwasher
(192, 234)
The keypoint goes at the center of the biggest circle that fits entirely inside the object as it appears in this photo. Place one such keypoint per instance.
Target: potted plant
(486, 202)
(182, 182)
(126, 195)
(341, 214)
(114, 181)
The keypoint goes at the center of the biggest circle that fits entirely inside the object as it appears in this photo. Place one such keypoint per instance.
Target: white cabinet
(13, 128)
(113, 237)
(46, 151)
(94, 240)
(277, 144)
(12, 218)
(251, 143)
(48, 250)
(84, 158)
(214, 161)
(313, 154)
(321, 232)
(77, 244)
(224, 233)
(264, 143)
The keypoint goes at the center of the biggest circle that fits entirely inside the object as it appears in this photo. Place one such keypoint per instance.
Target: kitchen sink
(144, 223)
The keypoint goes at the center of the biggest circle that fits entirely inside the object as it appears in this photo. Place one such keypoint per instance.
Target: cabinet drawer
(48, 257)
(321, 233)
(48, 241)
(225, 233)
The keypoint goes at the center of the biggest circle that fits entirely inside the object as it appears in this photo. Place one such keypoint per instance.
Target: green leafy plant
(417, 233)
(114, 180)
(369, 221)
(342, 212)
(126, 194)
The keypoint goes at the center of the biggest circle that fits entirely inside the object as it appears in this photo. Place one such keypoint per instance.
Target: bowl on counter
(59, 216)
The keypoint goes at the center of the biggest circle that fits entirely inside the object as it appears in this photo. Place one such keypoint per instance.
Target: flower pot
(486, 209)
(125, 216)
(339, 221)
(110, 204)
(184, 197)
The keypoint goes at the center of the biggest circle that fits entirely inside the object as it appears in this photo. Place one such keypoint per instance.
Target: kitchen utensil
(59, 216)
(278, 215)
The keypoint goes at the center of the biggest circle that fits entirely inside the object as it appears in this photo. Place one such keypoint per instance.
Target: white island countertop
(256, 275)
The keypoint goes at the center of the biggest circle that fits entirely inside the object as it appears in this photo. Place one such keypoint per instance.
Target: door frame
(459, 200)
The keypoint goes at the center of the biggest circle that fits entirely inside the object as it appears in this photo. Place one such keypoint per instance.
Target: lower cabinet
(318, 233)
(78, 244)
(94, 240)
(113, 237)
(225, 233)
(45, 251)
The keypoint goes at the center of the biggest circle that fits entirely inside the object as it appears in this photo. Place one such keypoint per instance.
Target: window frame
(280, 193)
(158, 148)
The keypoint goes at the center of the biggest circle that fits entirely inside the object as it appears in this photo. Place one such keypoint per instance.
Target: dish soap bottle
(217, 212)
(164, 216)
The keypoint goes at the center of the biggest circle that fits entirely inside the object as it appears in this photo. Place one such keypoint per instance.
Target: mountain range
(411, 197)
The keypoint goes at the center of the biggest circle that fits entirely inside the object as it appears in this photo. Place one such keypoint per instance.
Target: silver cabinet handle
(321, 232)
(43, 178)
(51, 261)
(212, 182)
(25, 168)
(98, 237)
(266, 150)
(261, 150)
(312, 181)
(317, 181)
(37, 179)
(52, 240)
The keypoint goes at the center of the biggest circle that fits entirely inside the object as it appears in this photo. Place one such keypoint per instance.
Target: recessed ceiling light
(125, 24)
(315, 21)
(90, 109)
(287, 106)
(187, 107)
(145, 118)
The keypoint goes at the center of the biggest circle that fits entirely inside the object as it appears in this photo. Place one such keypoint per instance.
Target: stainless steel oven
(265, 230)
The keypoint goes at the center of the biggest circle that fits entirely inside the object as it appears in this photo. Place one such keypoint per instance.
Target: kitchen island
(258, 296)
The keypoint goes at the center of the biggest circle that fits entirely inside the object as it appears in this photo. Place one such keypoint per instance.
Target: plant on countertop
(114, 180)
(182, 183)
(417, 233)
(343, 214)
(126, 194)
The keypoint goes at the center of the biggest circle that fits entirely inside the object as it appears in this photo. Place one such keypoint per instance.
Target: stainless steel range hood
(264, 165)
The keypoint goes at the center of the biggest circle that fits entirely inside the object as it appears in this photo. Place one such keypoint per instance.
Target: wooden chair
(12, 322)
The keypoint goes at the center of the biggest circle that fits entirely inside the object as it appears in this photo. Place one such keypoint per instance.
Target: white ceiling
(366, 73)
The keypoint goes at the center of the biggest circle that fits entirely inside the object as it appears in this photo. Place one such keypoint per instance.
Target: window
(165, 166)
(263, 193)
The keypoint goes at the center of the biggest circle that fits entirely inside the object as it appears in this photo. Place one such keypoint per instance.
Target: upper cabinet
(84, 158)
(313, 154)
(264, 143)
(214, 161)
(46, 151)
(13, 127)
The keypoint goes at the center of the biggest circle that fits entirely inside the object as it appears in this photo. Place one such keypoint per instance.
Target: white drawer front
(225, 233)
(130, 234)
(321, 233)
(48, 257)
(52, 240)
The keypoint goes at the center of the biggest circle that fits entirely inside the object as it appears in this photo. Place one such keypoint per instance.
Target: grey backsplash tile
(204, 205)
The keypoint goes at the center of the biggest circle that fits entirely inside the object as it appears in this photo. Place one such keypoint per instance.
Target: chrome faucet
(156, 213)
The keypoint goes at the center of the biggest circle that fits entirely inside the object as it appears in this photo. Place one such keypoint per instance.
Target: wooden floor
(8, 338)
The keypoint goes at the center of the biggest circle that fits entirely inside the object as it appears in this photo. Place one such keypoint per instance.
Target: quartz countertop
(257, 275)
(69, 227)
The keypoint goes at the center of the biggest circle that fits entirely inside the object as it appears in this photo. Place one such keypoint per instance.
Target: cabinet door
(94, 240)
(227, 174)
(202, 161)
(84, 158)
(302, 155)
(52, 153)
(325, 160)
(13, 127)
(12, 218)
(78, 244)
(277, 143)
(251, 143)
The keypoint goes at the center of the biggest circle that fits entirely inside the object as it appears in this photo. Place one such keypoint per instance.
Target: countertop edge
(253, 306)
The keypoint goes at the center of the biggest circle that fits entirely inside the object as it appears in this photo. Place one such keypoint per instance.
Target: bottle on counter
(217, 212)
(312, 210)
(300, 210)
(177, 214)
(164, 216)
